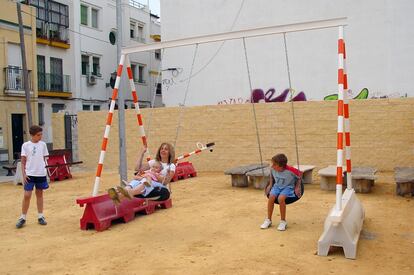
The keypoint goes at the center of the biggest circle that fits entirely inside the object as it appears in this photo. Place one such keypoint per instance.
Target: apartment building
(77, 55)
(13, 115)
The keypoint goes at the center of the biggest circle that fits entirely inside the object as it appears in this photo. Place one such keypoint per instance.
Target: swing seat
(100, 211)
(302, 186)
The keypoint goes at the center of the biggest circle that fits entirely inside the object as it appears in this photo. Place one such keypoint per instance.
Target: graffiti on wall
(259, 96)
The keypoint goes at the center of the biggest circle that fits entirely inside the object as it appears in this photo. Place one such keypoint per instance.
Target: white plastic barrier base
(18, 177)
(342, 228)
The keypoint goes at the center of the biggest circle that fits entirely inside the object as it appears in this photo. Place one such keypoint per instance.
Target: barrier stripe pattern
(108, 127)
(186, 155)
(340, 131)
(347, 122)
(137, 109)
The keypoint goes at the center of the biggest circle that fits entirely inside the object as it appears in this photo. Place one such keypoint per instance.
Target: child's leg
(270, 206)
(26, 201)
(39, 200)
(137, 190)
(282, 207)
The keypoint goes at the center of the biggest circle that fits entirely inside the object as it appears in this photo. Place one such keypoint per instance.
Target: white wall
(379, 43)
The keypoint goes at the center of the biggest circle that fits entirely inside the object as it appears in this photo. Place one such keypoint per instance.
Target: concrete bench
(307, 171)
(362, 178)
(260, 179)
(238, 174)
(404, 178)
(11, 169)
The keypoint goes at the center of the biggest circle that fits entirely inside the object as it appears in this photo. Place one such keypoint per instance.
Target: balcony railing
(136, 4)
(14, 79)
(53, 82)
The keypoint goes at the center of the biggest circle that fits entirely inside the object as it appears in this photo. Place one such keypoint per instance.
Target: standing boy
(33, 156)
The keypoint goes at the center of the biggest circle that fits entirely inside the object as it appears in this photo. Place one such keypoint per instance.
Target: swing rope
(253, 107)
(291, 96)
(185, 97)
(154, 94)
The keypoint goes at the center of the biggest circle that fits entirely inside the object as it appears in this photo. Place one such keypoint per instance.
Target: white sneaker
(282, 225)
(266, 224)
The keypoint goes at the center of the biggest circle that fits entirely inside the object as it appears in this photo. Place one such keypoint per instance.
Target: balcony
(14, 81)
(53, 85)
(52, 34)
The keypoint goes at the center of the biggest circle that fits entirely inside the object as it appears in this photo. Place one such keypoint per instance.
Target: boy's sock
(23, 216)
(40, 215)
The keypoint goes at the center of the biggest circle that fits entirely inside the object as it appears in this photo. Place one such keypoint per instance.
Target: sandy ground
(212, 228)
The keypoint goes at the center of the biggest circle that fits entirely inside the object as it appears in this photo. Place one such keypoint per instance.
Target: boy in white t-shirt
(34, 173)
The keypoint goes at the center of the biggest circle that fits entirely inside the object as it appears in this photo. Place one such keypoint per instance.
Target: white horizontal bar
(296, 27)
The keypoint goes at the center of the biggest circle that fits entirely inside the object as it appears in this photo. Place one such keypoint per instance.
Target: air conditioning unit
(91, 79)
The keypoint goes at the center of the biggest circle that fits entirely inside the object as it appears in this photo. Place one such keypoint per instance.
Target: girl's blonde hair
(171, 157)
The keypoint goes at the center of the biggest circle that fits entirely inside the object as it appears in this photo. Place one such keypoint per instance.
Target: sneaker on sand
(124, 192)
(114, 196)
(266, 224)
(20, 223)
(42, 221)
(282, 225)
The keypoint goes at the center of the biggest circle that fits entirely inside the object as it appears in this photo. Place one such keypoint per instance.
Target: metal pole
(121, 106)
(24, 65)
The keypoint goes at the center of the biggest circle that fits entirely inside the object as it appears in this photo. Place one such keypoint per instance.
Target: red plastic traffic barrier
(100, 211)
(183, 171)
(57, 167)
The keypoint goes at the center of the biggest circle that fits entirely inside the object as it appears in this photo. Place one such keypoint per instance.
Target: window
(141, 32)
(95, 66)
(41, 73)
(132, 30)
(56, 107)
(141, 74)
(52, 19)
(40, 109)
(157, 54)
(86, 107)
(84, 15)
(89, 16)
(85, 64)
(136, 31)
(96, 107)
(159, 89)
(134, 72)
(56, 74)
(94, 18)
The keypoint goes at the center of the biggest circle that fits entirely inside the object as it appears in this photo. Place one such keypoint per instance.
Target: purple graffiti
(258, 96)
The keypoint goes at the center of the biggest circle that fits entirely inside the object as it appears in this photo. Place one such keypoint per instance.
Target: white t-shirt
(165, 167)
(35, 162)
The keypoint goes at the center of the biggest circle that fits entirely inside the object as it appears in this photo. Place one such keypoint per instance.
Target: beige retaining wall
(382, 133)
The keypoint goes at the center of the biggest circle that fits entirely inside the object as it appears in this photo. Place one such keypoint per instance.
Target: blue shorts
(39, 182)
(288, 191)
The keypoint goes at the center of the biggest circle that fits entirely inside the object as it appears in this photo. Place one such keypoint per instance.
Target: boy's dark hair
(34, 129)
(280, 159)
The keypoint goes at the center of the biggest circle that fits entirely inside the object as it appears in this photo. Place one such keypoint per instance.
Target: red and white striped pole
(200, 147)
(340, 143)
(108, 127)
(137, 109)
(347, 124)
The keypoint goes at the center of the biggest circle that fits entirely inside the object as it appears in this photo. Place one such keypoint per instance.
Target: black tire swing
(288, 200)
